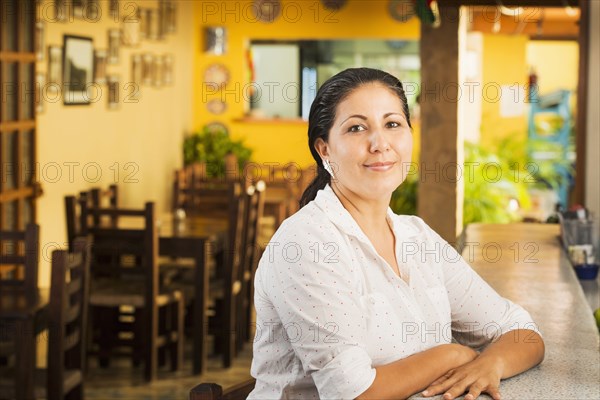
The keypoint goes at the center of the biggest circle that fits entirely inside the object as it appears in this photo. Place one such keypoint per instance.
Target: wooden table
(197, 238)
(28, 313)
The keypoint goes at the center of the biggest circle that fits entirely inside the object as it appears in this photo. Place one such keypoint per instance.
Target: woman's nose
(379, 142)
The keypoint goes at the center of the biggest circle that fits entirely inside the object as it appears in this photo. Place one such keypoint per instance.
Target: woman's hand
(479, 375)
(465, 354)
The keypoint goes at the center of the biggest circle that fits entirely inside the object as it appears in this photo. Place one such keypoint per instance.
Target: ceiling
(535, 22)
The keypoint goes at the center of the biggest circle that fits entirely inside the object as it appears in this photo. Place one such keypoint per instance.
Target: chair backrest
(108, 198)
(253, 213)
(95, 198)
(287, 181)
(212, 391)
(19, 254)
(126, 251)
(71, 219)
(236, 218)
(198, 195)
(69, 293)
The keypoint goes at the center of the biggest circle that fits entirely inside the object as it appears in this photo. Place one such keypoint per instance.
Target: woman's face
(370, 142)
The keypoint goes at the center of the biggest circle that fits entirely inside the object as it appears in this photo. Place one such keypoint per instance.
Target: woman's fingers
(495, 393)
(474, 391)
(442, 378)
(437, 388)
(456, 390)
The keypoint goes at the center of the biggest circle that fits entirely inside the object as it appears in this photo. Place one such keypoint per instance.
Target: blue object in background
(557, 103)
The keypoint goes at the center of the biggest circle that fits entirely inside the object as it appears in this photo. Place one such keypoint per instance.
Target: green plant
(491, 181)
(404, 198)
(211, 146)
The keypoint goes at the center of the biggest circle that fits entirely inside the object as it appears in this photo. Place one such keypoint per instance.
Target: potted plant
(211, 147)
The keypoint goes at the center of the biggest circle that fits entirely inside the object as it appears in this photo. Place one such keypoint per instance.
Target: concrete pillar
(592, 158)
(440, 196)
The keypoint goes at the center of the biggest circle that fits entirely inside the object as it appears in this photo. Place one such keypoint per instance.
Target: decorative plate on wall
(216, 74)
(401, 10)
(266, 10)
(216, 106)
(334, 4)
(216, 127)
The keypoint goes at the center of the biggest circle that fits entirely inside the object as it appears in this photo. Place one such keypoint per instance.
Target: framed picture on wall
(168, 69)
(171, 17)
(136, 77)
(78, 69)
(78, 6)
(113, 92)
(147, 69)
(131, 31)
(114, 10)
(157, 72)
(92, 11)
(114, 43)
(100, 66)
(143, 21)
(162, 19)
(40, 40)
(61, 10)
(153, 24)
(54, 68)
(40, 82)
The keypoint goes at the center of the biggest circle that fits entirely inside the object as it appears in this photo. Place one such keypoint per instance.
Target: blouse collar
(328, 201)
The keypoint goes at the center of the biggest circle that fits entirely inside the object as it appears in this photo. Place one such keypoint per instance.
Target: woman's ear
(322, 148)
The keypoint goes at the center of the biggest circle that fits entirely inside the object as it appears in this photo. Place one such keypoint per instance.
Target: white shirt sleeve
(479, 314)
(314, 293)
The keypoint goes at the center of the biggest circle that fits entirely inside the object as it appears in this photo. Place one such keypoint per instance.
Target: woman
(353, 301)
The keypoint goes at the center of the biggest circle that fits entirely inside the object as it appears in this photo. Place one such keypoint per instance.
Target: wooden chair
(217, 198)
(196, 194)
(63, 377)
(212, 391)
(251, 248)
(19, 258)
(125, 295)
(285, 186)
(96, 198)
(110, 198)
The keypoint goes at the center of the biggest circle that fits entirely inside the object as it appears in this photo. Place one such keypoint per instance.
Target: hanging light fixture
(571, 11)
(497, 26)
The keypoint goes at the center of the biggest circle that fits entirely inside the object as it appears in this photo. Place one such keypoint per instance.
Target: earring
(328, 168)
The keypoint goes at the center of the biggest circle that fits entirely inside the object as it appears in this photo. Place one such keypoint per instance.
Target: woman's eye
(356, 128)
(393, 124)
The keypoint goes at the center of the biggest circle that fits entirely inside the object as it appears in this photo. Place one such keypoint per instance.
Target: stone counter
(526, 264)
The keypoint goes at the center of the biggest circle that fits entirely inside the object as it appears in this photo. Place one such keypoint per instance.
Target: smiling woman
(355, 297)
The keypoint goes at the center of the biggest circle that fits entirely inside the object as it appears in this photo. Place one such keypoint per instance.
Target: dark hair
(323, 109)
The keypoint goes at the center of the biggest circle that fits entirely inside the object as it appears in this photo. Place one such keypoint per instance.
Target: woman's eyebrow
(393, 113)
(365, 118)
(354, 116)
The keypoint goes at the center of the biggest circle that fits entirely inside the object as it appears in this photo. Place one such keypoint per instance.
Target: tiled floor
(122, 381)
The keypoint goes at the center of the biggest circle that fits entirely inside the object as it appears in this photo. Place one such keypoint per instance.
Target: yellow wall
(503, 63)
(281, 142)
(556, 64)
(506, 60)
(147, 134)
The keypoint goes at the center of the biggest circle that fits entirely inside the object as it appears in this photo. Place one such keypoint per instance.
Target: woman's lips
(380, 166)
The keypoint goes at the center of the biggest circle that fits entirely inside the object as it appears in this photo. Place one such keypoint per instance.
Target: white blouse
(329, 308)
